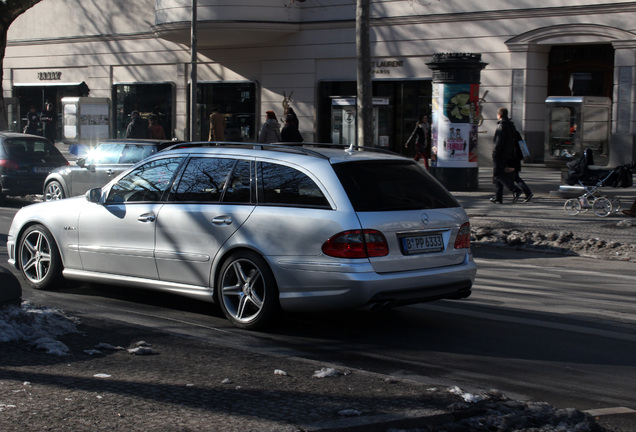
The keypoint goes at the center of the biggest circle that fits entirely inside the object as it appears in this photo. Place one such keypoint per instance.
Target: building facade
(252, 55)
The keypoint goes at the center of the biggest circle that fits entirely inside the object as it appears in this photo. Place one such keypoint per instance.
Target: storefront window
(397, 107)
(148, 99)
(237, 103)
(26, 97)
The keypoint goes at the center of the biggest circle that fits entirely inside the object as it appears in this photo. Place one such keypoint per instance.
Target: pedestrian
(290, 132)
(502, 154)
(419, 137)
(137, 127)
(517, 157)
(289, 111)
(32, 121)
(155, 130)
(217, 126)
(48, 119)
(270, 132)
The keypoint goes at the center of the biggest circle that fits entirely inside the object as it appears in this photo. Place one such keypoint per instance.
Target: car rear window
(391, 185)
(33, 151)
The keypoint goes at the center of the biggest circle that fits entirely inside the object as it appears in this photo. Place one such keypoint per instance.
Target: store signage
(352, 101)
(49, 76)
(384, 67)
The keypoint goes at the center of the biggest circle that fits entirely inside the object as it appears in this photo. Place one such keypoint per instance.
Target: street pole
(364, 98)
(193, 73)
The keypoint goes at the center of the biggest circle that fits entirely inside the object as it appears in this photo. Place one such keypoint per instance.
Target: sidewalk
(545, 213)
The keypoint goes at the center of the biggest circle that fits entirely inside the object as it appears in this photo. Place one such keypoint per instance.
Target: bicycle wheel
(572, 206)
(602, 206)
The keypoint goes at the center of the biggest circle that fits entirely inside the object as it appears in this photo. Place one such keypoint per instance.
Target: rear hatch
(419, 218)
(33, 156)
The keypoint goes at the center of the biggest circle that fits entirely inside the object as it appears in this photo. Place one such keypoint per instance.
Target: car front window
(147, 182)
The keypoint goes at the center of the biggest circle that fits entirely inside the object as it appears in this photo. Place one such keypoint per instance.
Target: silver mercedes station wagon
(259, 229)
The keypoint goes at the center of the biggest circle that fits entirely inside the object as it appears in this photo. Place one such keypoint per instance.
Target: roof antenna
(350, 149)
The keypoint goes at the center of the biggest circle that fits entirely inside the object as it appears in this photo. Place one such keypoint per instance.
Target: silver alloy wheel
(35, 256)
(53, 191)
(243, 290)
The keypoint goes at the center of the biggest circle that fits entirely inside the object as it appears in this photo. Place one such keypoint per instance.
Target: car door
(100, 167)
(117, 236)
(208, 204)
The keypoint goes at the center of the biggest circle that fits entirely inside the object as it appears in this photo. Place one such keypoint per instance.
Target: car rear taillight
(463, 237)
(356, 244)
(9, 164)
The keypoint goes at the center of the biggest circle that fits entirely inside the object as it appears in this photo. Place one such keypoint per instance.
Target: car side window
(105, 154)
(147, 182)
(204, 179)
(285, 185)
(239, 188)
(133, 153)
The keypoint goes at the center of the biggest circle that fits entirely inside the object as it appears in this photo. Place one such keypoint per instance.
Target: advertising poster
(454, 125)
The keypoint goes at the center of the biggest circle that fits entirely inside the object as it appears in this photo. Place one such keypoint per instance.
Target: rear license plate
(422, 244)
(41, 169)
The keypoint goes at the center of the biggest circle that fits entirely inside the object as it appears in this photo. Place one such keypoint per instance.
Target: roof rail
(298, 147)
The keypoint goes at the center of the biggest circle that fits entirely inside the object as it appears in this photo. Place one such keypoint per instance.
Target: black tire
(247, 292)
(53, 191)
(39, 259)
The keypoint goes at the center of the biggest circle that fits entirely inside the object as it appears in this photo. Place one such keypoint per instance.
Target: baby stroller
(592, 180)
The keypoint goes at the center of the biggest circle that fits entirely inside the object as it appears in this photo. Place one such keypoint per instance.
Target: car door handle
(148, 217)
(222, 220)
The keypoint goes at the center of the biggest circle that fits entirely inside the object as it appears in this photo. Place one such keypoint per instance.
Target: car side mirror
(81, 162)
(94, 195)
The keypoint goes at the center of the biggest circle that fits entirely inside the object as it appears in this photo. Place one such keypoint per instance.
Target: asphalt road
(538, 327)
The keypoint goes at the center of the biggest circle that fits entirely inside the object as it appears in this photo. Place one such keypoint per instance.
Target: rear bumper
(360, 287)
(20, 185)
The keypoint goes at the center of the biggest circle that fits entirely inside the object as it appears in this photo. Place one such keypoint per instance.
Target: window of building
(407, 101)
(148, 99)
(237, 103)
(581, 70)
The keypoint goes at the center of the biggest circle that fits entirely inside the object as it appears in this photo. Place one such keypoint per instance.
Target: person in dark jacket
(517, 157)
(290, 131)
(48, 119)
(502, 154)
(419, 137)
(137, 128)
(32, 122)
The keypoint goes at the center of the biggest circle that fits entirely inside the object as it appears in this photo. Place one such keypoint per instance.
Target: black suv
(100, 165)
(25, 161)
